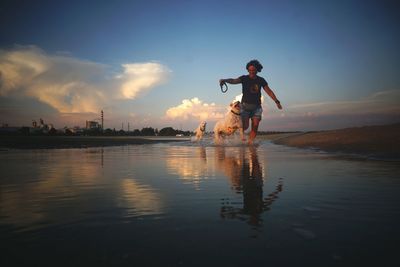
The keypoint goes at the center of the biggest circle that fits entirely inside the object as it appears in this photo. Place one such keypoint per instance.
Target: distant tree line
(149, 131)
(146, 131)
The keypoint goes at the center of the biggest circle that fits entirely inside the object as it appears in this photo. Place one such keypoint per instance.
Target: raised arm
(272, 95)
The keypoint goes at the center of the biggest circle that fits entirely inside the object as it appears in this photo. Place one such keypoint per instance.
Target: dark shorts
(251, 111)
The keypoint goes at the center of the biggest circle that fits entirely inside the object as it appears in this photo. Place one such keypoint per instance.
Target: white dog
(200, 130)
(230, 124)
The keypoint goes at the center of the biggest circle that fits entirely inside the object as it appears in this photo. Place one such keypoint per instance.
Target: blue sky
(155, 63)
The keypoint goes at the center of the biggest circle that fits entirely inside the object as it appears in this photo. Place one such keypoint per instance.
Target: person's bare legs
(254, 128)
(245, 124)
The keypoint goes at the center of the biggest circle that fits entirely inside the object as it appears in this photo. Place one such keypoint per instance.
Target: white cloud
(195, 109)
(238, 98)
(72, 85)
(138, 78)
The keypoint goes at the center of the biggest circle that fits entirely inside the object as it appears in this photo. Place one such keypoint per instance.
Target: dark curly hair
(254, 63)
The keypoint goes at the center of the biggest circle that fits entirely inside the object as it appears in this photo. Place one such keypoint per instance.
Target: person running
(251, 99)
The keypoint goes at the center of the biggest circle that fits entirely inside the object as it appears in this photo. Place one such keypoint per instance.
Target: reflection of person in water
(250, 183)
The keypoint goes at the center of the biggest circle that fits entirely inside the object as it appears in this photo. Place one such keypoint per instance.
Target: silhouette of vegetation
(167, 131)
(146, 131)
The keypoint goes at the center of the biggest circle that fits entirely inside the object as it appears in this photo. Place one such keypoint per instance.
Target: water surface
(184, 204)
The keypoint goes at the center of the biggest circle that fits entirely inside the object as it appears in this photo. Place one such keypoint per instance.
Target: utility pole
(102, 120)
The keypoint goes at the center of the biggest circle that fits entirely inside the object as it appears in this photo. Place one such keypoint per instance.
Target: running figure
(251, 99)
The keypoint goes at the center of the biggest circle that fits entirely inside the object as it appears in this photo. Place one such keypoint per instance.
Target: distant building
(76, 130)
(42, 128)
(93, 125)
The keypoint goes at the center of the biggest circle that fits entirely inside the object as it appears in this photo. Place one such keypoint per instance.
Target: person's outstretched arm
(230, 80)
(272, 95)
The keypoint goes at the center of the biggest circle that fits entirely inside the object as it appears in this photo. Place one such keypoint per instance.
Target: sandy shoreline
(45, 142)
(371, 141)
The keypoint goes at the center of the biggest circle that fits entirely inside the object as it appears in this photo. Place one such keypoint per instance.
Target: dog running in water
(200, 130)
(230, 124)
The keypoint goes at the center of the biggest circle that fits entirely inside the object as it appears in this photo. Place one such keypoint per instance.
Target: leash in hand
(223, 90)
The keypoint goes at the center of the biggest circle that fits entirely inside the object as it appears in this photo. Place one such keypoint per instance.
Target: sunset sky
(332, 64)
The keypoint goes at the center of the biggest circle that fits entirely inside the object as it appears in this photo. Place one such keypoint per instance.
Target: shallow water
(185, 204)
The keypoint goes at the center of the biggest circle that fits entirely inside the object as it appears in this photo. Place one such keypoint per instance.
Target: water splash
(230, 141)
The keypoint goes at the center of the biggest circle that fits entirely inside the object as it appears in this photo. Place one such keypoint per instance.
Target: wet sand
(372, 141)
(44, 142)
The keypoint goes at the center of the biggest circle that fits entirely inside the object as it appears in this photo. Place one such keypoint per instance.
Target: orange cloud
(72, 85)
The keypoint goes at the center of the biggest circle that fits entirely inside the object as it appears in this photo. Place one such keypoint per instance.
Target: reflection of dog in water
(229, 124)
(230, 164)
(248, 180)
(200, 130)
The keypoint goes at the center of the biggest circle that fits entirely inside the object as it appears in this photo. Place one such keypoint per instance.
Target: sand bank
(372, 141)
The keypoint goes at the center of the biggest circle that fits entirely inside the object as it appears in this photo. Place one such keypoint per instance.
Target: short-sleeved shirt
(251, 89)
